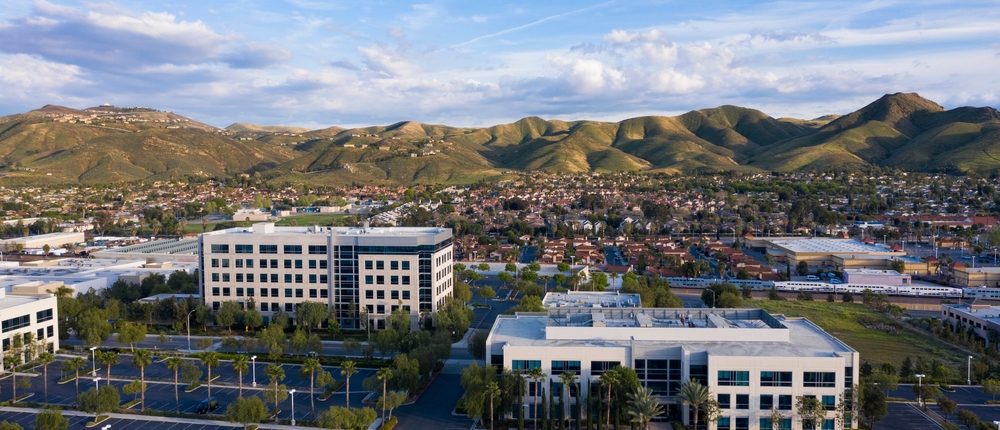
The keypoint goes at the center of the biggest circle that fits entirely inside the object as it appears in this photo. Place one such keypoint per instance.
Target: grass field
(841, 320)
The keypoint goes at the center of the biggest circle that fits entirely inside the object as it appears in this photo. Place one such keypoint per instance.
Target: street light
(920, 391)
(968, 374)
(97, 385)
(189, 328)
(292, 396)
(93, 361)
(253, 367)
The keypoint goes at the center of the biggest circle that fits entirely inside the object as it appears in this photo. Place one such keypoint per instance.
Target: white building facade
(352, 270)
(749, 360)
(33, 317)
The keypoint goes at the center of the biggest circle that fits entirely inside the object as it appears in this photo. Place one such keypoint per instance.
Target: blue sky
(320, 63)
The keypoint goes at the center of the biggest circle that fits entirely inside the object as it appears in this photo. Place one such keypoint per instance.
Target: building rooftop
(166, 246)
(270, 228)
(8, 301)
(586, 299)
(830, 246)
(872, 272)
(983, 312)
(729, 332)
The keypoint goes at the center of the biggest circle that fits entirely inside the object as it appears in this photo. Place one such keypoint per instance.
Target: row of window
(289, 278)
(16, 323)
(380, 295)
(380, 265)
(248, 263)
(380, 309)
(314, 293)
(734, 378)
(268, 249)
(42, 333)
(743, 423)
(767, 402)
(393, 280)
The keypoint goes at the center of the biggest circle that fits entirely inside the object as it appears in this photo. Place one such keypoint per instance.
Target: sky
(321, 63)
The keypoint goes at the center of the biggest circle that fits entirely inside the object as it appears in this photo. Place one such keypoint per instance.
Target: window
(380, 280)
(742, 423)
(274, 280)
(298, 292)
(249, 277)
(220, 249)
(312, 279)
(267, 249)
(369, 279)
(263, 306)
(288, 292)
(312, 264)
(393, 265)
(775, 379)
(699, 372)
(828, 425)
(766, 402)
(215, 291)
(523, 366)
(724, 401)
(263, 292)
(785, 402)
(250, 292)
(723, 423)
(244, 249)
(369, 294)
(16, 323)
(42, 316)
(239, 292)
(323, 279)
(274, 292)
(598, 368)
(848, 376)
(288, 307)
(288, 264)
(298, 278)
(225, 291)
(239, 277)
(819, 379)
(48, 332)
(274, 263)
(215, 262)
(249, 263)
(317, 249)
(560, 367)
(742, 401)
(312, 293)
(406, 280)
(225, 262)
(323, 293)
(380, 265)
(292, 249)
(730, 378)
(369, 265)
(239, 263)
(394, 280)
(830, 402)
(406, 295)
(298, 264)
(263, 263)
(380, 294)
(322, 264)
(380, 309)
(406, 265)
(394, 295)
(225, 277)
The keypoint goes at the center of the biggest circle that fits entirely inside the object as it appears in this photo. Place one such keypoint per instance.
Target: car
(812, 278)
(835, 280)
(208, 405)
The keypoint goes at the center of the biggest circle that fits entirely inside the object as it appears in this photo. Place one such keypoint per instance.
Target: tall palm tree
(536, 374)
(610, 378)
(46, 358)
(141, 359)
(108, 359)
(384, 374)
(348, 369)
(241, 364)
(74, 365)
(174, 363)
(492, 390)
(643, 406)
(276, 375)
(694, 394)
(311, 366)
(210, 359)
(567, 379)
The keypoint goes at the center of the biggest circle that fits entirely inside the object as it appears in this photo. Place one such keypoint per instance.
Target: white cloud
(386, 61)
(29, 78)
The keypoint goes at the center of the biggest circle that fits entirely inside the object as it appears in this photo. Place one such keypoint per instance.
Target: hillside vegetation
(104, 144)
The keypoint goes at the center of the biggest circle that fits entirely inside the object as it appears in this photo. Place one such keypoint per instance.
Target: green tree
(802, 268)
(107, 359)
(810, 410)
(384, 374)
(130, 333)
(100, 401)
(141, 359)
(492, 391)
(4, 425)
(74, 365)
(694, 394)
(947, 406)
(487, 293)
(175, 363)
(45, 359)
(51, 419)
(299, 341)
(253, 319)
(241, 364)
(275, 374)
(273, 339)
(537, 375)
(392, 400)
(505, 277)
(92, 327)
(311, 314)
(310, 367)
(246, 411)
(347, 369)
(991, 386)
(643, 406)
(969, 418)
(228, 314)
(342, 418)
(210, 360)
(873, 406)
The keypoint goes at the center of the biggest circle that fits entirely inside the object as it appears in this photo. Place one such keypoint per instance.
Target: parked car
(812, 278)
(208, 405)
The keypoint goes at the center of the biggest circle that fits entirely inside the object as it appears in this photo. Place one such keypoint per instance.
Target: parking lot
(27, 420)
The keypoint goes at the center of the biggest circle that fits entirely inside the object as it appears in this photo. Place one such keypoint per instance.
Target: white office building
(750, 360)
(351, 269)
(28, 310)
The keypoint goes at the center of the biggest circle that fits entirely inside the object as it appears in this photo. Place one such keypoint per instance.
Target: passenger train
(825, 287)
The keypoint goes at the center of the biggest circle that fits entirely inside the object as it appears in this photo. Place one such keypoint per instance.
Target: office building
(351, 269)
(983, 319)
(750, 360)
(28, 311)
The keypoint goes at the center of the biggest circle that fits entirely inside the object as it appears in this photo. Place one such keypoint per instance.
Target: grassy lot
(841, 320)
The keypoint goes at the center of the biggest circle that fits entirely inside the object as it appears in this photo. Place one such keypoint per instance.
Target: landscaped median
(99, 419)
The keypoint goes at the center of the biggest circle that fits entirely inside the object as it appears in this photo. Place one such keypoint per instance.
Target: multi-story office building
(30, 312)
(983, 319)
(750, 360)
(351, 269)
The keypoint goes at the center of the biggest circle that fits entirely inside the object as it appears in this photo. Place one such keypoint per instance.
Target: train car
(981, 293)
(757, 285)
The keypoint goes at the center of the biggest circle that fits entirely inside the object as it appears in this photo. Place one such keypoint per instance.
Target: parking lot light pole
(713, 296)
(968, 374)
(291, 394)
(189, 328)
(98, 385)
(93, 361)
(253, 368)
(920, 380)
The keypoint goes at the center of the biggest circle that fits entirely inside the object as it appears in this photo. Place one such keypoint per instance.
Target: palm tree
(492, 390)
(241, 364)
(384, 374)
(108, 358)
(45, 358)
(608, 379)
(275, 374)
(694, 394)
(567, 379)
(174, 363)
(348, 369)
(140, 360)
(74, 365)
(210, 359)
(536, 374)
(311, 366)
(643, 407)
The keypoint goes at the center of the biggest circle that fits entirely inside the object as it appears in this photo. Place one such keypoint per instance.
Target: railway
(827, 287)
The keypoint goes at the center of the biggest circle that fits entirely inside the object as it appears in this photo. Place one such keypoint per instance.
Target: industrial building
(983, 319)
(354, 270)
(750, 360)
